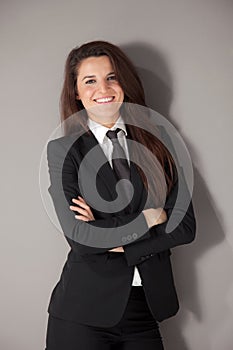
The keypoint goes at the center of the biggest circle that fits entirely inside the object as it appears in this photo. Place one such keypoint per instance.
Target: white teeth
(102, 100)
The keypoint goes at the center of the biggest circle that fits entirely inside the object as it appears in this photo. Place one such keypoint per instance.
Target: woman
(112, 296)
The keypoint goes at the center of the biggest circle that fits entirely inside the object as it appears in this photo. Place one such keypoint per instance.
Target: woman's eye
(112, 77)
(90, 81)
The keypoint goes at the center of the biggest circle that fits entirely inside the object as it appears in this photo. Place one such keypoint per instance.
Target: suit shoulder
(62, 143)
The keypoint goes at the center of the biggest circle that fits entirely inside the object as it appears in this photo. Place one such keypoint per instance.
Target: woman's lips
(104, 99)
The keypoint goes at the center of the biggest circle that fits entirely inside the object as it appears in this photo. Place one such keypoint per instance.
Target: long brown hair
(130, 83)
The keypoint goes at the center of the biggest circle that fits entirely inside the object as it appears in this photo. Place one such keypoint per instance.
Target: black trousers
(137, 330)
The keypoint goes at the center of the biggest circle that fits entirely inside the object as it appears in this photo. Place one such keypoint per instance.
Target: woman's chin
(106, 113)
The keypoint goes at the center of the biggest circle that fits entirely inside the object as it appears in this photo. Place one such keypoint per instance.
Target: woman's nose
(103, 86)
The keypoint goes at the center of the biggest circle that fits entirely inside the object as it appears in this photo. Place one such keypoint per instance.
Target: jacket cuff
(139, 251)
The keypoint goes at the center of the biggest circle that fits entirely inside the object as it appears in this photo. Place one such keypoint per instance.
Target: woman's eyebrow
(88, 76)
(93, 76)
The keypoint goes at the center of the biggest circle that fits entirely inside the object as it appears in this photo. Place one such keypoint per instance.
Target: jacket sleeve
(161, 240)
(91, 237)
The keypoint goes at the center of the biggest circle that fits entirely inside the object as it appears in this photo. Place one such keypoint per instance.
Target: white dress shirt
(99, 132)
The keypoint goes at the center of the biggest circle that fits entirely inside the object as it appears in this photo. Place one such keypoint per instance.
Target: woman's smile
(104, 99)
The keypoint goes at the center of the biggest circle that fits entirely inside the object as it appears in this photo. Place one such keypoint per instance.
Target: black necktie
(119, 162)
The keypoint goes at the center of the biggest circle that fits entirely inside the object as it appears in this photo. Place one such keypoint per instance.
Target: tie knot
(112, 134)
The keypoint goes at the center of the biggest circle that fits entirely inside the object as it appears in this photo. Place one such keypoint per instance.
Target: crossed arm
(152, 216)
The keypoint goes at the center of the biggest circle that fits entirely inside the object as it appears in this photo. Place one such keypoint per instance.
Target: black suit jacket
(95, 285)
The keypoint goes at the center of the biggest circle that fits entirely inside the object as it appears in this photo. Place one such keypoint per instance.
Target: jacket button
(124, 239)
(129, 237)
(135, 235)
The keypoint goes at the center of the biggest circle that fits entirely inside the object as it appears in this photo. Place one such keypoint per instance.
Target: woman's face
(98, 90)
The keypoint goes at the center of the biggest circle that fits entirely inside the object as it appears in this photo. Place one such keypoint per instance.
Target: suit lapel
(135, 179)
(105, 172)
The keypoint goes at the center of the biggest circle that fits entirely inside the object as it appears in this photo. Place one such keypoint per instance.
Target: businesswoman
(116, 285)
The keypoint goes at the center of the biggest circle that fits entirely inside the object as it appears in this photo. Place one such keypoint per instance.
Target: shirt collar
(100, 130)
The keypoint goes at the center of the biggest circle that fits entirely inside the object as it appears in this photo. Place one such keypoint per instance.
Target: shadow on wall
(154, 73)
(156, 78)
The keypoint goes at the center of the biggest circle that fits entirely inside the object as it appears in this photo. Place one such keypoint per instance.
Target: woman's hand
(87, 215)
(83, 209)
(155, 216)
(117, 250)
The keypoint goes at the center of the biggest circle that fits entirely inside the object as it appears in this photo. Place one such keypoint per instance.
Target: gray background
(184, 52)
